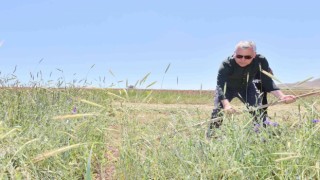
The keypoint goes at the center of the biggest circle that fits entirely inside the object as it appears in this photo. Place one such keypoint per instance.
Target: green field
(78, 133)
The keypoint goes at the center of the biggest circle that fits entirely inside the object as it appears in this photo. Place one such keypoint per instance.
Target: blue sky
(137, 37)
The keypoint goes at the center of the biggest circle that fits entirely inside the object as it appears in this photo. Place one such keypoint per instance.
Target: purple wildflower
(74, 110)
(270, 123)
(257, 128)
(267, 122)
(316, 121)
(275, 124)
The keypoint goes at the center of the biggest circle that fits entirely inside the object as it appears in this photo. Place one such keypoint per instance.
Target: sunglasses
(245, 57)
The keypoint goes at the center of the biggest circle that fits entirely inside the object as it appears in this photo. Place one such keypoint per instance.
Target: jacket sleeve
(267, 82)
(222, 78)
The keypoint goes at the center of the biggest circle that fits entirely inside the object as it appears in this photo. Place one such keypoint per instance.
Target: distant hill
(313, 84)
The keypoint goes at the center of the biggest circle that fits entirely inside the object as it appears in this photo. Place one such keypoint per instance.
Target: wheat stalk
(54, 152)
(91, 103)
(73, 116)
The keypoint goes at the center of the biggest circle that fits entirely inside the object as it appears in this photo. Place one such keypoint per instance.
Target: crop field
(79, 133)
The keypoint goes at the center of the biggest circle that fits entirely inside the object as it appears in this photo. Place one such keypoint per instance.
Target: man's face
(244, 57)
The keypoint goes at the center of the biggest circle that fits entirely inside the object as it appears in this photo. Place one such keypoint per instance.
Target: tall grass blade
(285, 153)
(73, 116)
(8, 133)
(25, 144)
(88, 170)
(91, 103)
(165, 72)
(15, 68)
(54, 152)
(148, 95)
(151, 84)
(287, 158)
(167, 68)
(59, 70)
(144, 78)
(135, 85)
(304, 81)
(317, 166)
(126, 93)
(270, 75)
(260, 67)
(317, 127)
(114, 95)
(111, 73)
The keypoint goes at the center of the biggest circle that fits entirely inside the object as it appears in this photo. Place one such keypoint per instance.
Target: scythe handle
(282, 101)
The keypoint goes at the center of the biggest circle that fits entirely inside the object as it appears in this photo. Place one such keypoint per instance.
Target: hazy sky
(127, 39)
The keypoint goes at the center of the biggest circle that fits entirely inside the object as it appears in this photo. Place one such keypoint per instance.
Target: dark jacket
(257, 81)
(237, 78)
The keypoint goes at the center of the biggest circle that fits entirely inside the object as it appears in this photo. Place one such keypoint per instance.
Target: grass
(37, 144)
(79, 133)
(283, 152)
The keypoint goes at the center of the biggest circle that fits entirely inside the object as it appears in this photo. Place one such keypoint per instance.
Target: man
(235, 79)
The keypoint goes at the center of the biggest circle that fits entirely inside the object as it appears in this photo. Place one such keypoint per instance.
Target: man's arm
(286, 98)
(223, 73)
(270, 86)
(222, 77)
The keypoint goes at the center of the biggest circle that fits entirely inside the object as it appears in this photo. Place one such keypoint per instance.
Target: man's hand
(229, 110)
(284, 98)
(288, 98)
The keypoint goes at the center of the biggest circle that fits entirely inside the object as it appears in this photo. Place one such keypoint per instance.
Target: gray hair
(246, 45)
